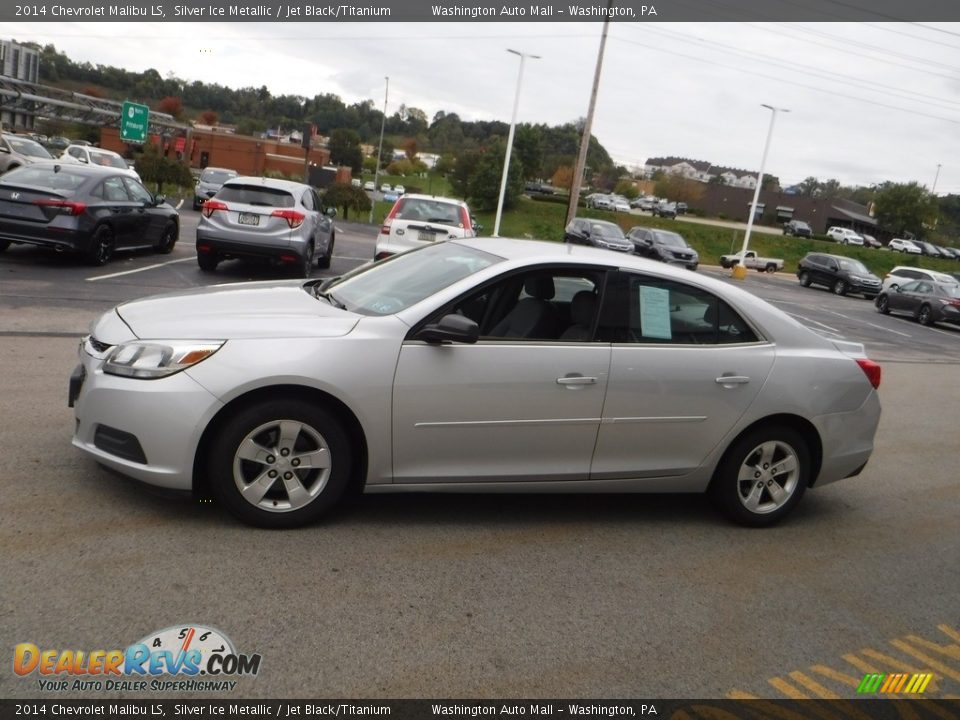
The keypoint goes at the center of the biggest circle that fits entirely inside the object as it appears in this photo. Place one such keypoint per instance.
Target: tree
(829, 189)
(528, 146)
(809, 187)
(345, 149)
(463, 171)
(905, 207)
(563, 177)
(347, 197)
(679, 189)
(171, 106)
(485, 183)
(627, 188)
(154, 168)
(411, 148)
(209, 117)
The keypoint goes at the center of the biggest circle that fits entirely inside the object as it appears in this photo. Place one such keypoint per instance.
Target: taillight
(66, 207)
(209, 207)
(871, 370)
(294, 219)
(388, 220)
(465, 221)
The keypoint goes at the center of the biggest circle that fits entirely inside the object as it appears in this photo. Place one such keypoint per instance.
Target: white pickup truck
(750, 259)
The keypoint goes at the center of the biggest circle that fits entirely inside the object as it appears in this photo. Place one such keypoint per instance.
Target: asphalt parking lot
(486, 596)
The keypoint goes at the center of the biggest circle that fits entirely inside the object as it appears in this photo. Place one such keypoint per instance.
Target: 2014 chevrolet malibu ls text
(471, 365)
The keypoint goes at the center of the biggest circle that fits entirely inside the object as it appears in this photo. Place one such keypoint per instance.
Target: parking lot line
(136, 270)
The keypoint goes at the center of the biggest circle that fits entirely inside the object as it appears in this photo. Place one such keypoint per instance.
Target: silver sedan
(474, 365)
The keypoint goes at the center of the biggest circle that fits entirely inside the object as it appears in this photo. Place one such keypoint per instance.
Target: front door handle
(575, 380)
(731, 380)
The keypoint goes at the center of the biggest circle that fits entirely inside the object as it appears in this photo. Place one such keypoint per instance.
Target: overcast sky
(868, 102)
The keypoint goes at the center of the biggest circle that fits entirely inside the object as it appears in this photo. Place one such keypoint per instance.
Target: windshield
(670, 238)
(854, 266)
(107, 160)
(403, 280)
(25, 146)
(216, 176)
(608, 230)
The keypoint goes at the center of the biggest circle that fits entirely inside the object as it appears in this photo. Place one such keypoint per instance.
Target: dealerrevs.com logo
(185, 658)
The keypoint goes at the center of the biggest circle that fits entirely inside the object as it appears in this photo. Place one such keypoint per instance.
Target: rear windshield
(107, 160)
(216, 176)
(429, 210)
(256, 195)
(63, 182)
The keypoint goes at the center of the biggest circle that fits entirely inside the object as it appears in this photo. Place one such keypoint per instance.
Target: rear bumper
(60, 239)
(233, 249)
(847, 440)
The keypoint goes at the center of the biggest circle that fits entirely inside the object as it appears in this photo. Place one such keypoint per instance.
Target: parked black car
(927, 301)
(665, 210)
(841, 274)
(928, 249)
(797, 228)
(598, 233)
(663, 245)
(682, 208)
(92, 210)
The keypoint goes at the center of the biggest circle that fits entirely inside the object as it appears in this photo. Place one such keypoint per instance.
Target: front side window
(137, 191)
(643, 309)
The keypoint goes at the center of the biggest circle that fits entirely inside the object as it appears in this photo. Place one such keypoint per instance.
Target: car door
(912, 295)
(520, 404)
(685, 367)
(125, 215)
(150, 219)
(324, 224)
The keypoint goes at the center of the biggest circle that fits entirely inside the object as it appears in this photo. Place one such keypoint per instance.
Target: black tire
(751, 501)
(883, 305)
(805, 279)
(323, 262)
(310, 432)
(208, 261)
(925, 315)
(168, 239)
(771, 268)
(102, 245)
(305, 267)
(4, 244)
(840, 287)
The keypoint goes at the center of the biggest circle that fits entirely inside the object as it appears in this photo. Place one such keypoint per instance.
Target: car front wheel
(168, 239)
(805, 279)
(883, 305)
(840, 287)
(763, 476)
(280, 463)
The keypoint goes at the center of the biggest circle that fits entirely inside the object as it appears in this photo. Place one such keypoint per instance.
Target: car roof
(441, 198)
(78, 168)
(276, 183)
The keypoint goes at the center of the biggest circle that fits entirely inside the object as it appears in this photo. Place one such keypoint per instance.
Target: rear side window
(256, 195)
(906, 273)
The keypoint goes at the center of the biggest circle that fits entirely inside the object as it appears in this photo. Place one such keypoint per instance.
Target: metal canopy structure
(43, 101)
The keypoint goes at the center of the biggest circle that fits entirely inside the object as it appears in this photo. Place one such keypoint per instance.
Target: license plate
(247, 218)
(426, 237)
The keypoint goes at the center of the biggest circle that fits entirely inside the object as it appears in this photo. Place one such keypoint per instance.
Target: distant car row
(846, 236)
(19, 150)
(662, 245)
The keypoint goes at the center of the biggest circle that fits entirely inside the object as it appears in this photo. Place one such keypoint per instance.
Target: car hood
(243, 310)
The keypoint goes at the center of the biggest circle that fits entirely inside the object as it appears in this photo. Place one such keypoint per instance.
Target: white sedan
(474, 365)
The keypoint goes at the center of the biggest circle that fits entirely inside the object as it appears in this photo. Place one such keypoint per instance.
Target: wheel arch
(800, 425)
(352, 426)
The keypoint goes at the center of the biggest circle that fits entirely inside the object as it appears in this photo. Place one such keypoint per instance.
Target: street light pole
(376, 170)
(739, 271)
(513, 125)
(933, 190)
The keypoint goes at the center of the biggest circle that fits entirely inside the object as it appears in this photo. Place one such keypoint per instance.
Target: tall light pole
(933, 190)
(739, 271)
(376, 170)
(513, 125)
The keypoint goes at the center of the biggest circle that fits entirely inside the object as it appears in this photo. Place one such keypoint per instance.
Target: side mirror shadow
(330, 212)
(450, 328)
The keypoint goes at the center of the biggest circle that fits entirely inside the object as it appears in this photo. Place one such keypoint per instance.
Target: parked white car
(903, 274)
(844, 236)
(416, 220)
(475, 365)
(89, 155)
(904, 246)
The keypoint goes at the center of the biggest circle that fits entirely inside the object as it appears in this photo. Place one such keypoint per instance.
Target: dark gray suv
(841, 274)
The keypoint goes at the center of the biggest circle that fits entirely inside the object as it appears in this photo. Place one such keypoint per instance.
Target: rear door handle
(729, 380)
(574, 380)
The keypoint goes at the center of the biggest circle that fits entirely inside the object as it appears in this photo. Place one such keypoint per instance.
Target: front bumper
(120, 421)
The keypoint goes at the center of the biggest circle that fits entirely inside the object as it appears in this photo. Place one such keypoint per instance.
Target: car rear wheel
(280, 463)
(306, 264)
(323, 262)
(805, 279)
(763, 476)
(168, 239)
(208, 261)
(925, 315)
(771, 268)
(101, 246)
(883, 305)
(840, 287)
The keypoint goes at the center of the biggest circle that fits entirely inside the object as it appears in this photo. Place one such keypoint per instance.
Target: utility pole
(376, 170)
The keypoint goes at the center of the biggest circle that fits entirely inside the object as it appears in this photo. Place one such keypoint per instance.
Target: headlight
(151, 360)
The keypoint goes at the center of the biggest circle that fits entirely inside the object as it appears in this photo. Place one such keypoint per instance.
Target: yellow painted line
(837, 675)
(926, 659)
(859, 664)
(951, 651)
(892, 662)
(787, 689)
(740, 695)
(949, 631)
(813, 686)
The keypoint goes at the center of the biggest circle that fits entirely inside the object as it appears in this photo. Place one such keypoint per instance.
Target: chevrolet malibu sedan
(474, 365)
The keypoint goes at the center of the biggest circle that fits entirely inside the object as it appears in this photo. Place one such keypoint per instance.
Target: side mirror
(330, 212)
(450, 328)
(159, 199)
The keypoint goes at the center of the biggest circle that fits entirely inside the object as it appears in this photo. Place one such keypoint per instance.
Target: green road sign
(134, 120)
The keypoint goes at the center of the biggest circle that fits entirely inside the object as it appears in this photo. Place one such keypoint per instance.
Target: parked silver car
(255, 217)
(19, 150)
(488, 365)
